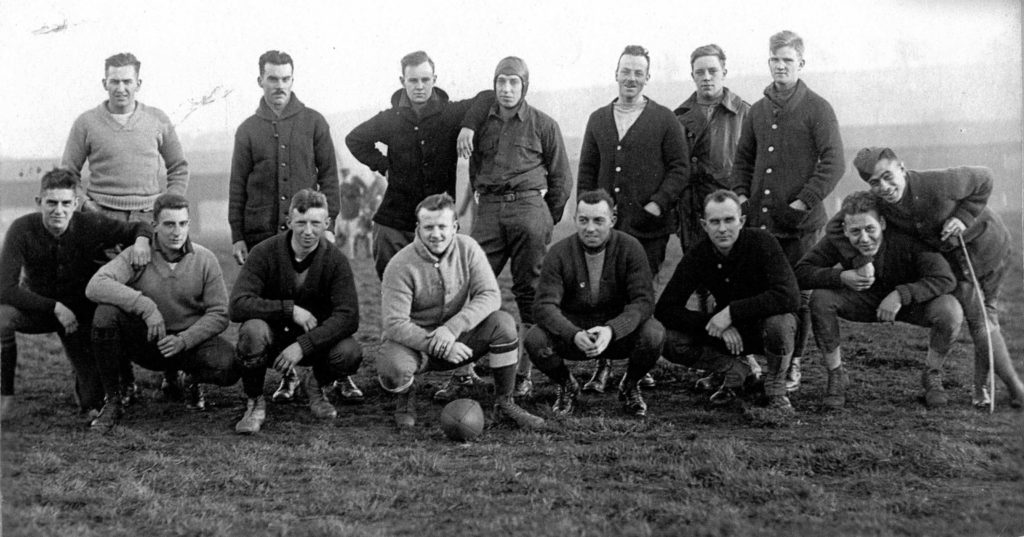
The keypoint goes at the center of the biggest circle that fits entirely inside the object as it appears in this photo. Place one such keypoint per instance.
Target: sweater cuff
(964, 216)
(306, 344)
(905, 296)
(619, 327)
(809, 198)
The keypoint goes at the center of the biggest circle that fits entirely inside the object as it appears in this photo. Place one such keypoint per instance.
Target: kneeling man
(439, 304)
(756, 300)
(296, 299)
(888, 277)
(594, 301)
(165, 316)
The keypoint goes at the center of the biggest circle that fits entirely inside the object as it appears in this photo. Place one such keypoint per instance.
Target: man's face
(723, 221)
(276, 81)
(785, 64)
(436, 229)
(307, 227)
(631, 76)
(418, 81)
(171, 228)
(509, 89)
(864, 230)
(594, 222)
(57, 205)
(709, 76)
(889, 180)
(121, 84)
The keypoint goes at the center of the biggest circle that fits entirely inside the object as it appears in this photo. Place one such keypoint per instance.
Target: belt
(508, 196)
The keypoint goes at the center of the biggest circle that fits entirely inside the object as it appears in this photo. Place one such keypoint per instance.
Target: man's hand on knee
(733, 341)
(458, 353)
(290, 356)
(66, 317)
(602, 337)
(442, 340)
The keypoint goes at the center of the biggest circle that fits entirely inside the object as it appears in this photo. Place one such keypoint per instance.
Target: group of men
(742, 186)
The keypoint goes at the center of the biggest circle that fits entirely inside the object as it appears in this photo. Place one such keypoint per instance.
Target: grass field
(882, 466)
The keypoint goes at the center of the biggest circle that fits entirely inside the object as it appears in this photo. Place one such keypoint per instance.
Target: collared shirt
(524, 152)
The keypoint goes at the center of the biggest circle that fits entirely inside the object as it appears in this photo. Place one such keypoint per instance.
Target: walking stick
(988, 327)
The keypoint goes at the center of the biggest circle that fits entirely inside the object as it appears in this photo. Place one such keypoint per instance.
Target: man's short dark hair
(413, 59)
(122, 59)
(170, 202)
(275, 57)
(637, 50)
(435, 202)
(60, 179)
(720, 196)
(307, 199)
(786, 38)
(860, 202)
(593, 197)
(707, 50)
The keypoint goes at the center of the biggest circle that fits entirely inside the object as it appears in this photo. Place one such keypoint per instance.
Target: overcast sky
(347, 53)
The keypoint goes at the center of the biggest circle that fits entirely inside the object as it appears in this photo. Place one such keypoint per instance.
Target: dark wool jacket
(57, 269)
(274, 158)
(265, 289)
(902, 264)
(755, 281)
(788, 151)
(626, 298)
(421, 154)
(931, 198)
(648, 164)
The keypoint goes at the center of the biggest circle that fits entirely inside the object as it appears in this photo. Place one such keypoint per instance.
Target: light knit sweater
(191, 297)
(125, 161)
(421, 291)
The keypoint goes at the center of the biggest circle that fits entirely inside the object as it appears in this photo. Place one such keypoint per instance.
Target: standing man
(634, 149)
(886, 276)
(943, 208)
(281, 149)
(790, 157)
(594, 301)
(439, 305)
(712, 118)
(124, 142)
(296, 299)
(165, 316)
(756, 297)
(521, 178)
(420, 132)
(47, 260)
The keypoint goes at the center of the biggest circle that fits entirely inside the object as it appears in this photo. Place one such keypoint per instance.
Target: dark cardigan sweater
(648, 164)
(563, 304)
(266, 289)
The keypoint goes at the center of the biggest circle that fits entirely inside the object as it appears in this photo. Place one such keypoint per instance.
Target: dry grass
(883, 466)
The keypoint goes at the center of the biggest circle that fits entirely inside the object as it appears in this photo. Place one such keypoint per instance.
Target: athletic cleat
(107, 417)
(793, 375)
(780, 402)
(318, 402)
(709, 383)
(255, 415)
(723, 396)
(456, 387)
(835, 393)
(647, 381)
(934, 393)
(195, 395)
(171, 386)
(129, 393)
(565, 401)
(981, 397)
(632, 402)
(348, 391)
(599, 380)
(523, 387)
(509, 411)
(285, 393)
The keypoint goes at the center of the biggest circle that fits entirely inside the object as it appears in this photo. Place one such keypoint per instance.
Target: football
(462, 420)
